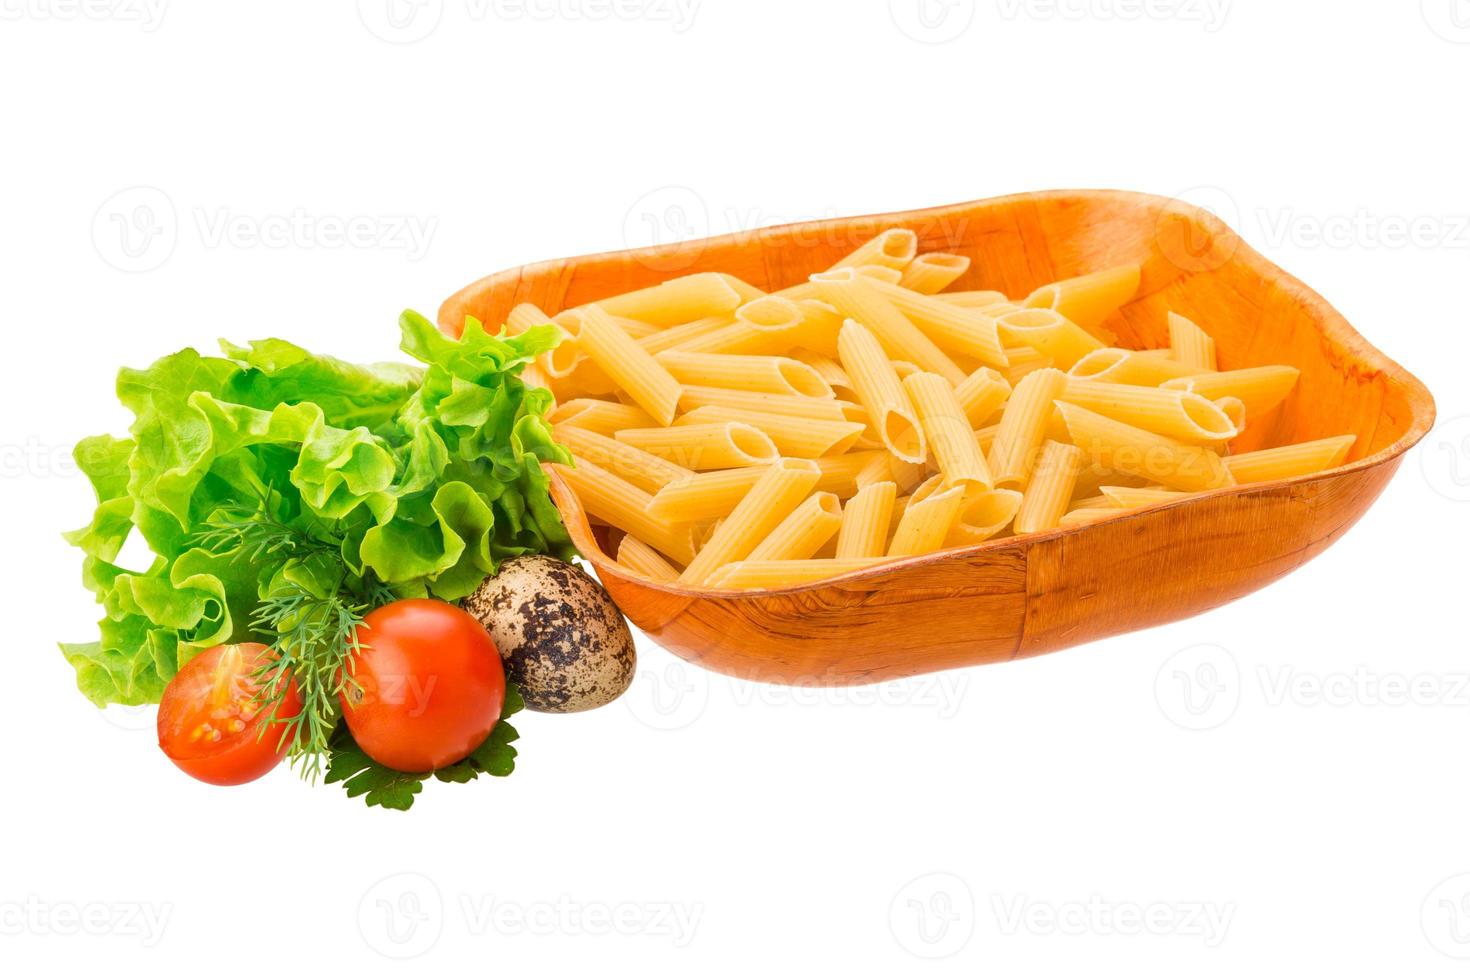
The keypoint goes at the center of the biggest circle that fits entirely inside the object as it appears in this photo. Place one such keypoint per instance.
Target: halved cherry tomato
(210, 718)
(425, 687)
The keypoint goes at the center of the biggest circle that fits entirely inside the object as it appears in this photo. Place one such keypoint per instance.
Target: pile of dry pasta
(735, 439)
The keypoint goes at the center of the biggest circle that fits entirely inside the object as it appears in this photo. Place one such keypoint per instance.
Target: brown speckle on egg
(563, 640)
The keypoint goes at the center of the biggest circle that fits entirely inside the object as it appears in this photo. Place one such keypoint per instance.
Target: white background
(1012, 821)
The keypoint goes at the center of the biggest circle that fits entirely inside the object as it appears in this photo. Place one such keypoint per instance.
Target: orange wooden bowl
(1032, 594)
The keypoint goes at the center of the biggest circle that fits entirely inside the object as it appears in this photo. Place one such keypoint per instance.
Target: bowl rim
(1332, 325)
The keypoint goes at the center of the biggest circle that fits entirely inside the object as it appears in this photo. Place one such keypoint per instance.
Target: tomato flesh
(425, 687)
(210, 718)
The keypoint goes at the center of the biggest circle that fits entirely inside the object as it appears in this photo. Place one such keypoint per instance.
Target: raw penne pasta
(672, 337)
(975, 298)
(894, 248)
(1050, 488)
(618, 503)
(933, 271)
(570, 320)
(704, 496)
(1130, 367)
(984, 516)
(1021, 427)
(956, 330)
(748, 372)
(1283, 462)
(640, 559)
(746, 291)
(859, 299)
(780, 574)
(710, 446)
(947, 432)
(879, 273)
(831, 371)
(524, 316)
(676, 301)
(832, 409)
(879, 391)
(1234, 410)
(876, 470)
(768, 325)
(777, 493)
(808, 527)
(1146, 454)
(1180, 415)
(1089, 515)
(1050, 333)
(1023, 361)
(534, 376)
(982, 394)
(865, 521)
(926, 523)
(1191, 345)
(602, 417)
(839, 473)
(647, 382)
(1088, 300)
(1139, 496)
(644, 470)
(792, 435)
(1259, 389)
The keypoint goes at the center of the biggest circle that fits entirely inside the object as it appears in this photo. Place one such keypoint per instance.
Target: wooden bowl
(1022, 596)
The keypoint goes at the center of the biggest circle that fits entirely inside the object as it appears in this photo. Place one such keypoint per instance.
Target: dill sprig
(258, 534)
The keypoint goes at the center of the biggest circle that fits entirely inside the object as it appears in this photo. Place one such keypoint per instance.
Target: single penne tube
(982, 394)
(640, 559)
(1098, 500)
(985, 438)
(1050, 333)
(830, 369)
(1180, 415)
(803, 531)
(857, 298)
(1022, 426)
(880, 273)
(781, 574)
(894, 248)
(749, 372)
(533, 375)
(1130, 367)
(1095, 476)
(1050, 488)
(618, 503)
(585, 380)
(1283, 462)
(710, 446)
(879, 391)
(704, 496)
(956, 330)
(777, 493)
(570, 320)
(831, 409)
(646, 382)
(1089, 515)
(947, 432)
(672, 337)
(839, 473)
(975, 298)
(1156, 458)
(1023, 361)
(1138, 496)
(1234, 410)
(876, 470)
(1088, 300)
(768, 325)
(524, 316)
(983, 516)
(746, 291)
(933, 271)
(1191, 345)
(676, 301)
(865, 521)
(644, 470)
(820, 322)
(1259, 389)
(792, 435)
(926, 523)
(563, 359)
(602, 417)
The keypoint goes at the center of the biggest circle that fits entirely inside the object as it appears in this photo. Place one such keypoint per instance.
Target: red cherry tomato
(428, 688)
(210, 719)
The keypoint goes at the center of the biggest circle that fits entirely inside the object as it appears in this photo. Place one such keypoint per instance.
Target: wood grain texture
(1018, 597)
